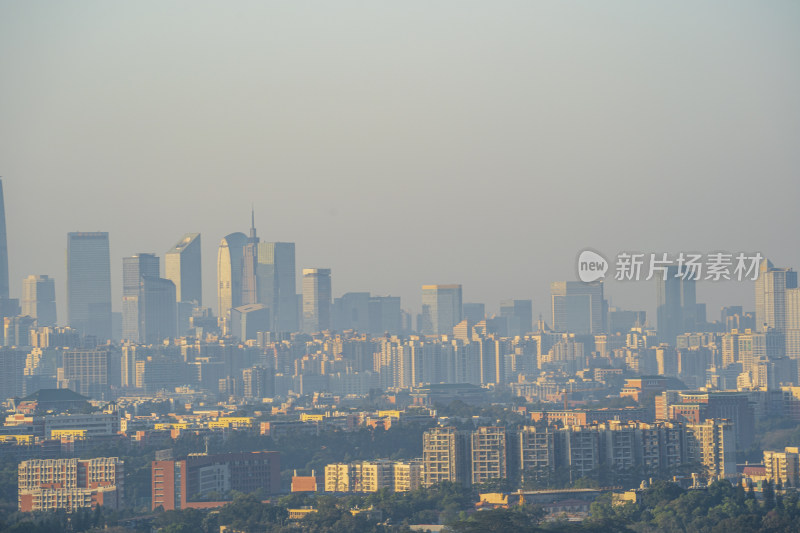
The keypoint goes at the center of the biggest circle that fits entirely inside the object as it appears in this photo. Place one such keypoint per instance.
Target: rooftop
(55, 395)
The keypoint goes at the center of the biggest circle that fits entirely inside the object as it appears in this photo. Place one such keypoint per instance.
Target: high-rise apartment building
(229, 274)
(277, 284)
(445, 456)
(578, 307)
(39, 300)
(183, 265)
(771, 287)
(713, 444)
(489, 454)
(537, 451)
(89, 284)
(581, 449)
(316, 299)
(70, 484)
(441, 309)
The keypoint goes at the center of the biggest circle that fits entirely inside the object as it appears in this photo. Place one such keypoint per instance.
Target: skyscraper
(134, 269)
(8, 307)
(351, 311)
(474, 312)
(771, 286)
(277, 284)
(669, 317)
(792, 336)
(578, 307)
(441, 309)
(89, 372)
(229, 274)
(518, 315)
(89, 284)
(12, 372)
(316, 299)
(183, 264)
(158, 313)
(384, 315)
(249, 261)
(3, 248)
(692, 313)
(39, 299)
(677, 310)
(248, 320)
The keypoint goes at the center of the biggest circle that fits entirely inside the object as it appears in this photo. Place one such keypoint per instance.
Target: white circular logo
(591, 266)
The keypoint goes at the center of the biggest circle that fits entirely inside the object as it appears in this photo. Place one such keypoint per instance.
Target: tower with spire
(249, 264)
(8, 306)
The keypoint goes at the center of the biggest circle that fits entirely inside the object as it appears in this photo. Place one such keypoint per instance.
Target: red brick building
(188, 482)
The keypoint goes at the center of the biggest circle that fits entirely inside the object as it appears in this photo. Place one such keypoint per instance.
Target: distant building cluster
(274, 361)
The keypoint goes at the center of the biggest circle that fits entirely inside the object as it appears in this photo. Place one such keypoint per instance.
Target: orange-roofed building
(304, 483)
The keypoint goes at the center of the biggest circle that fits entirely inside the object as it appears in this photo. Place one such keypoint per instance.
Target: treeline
(81, 521)
(443, 503)
(664, 507)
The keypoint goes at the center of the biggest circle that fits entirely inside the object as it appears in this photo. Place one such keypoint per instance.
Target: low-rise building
(783, 467)
(184, 483)
(70, 484)
(408, 475)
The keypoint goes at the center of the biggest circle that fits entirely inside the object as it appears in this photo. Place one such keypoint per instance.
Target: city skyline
(283, 266)
(551, 129)
(266, 267)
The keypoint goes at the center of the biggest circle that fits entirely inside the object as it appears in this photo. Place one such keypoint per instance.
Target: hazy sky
(403, 143)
